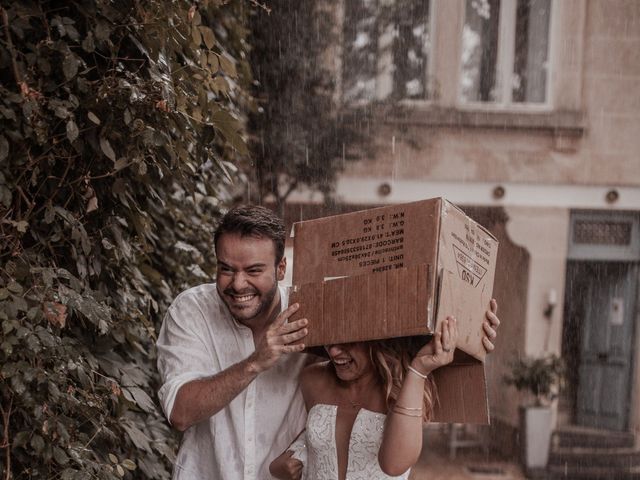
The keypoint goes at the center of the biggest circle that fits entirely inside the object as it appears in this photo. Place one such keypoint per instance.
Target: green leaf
(128, 464)
(94, 118)
(88, 44)
(7, 113)
(54, 391)
(60, 456)
(49, 214)
(20, 439)
(72, 131)
(197, 18)
(8, 326)
(214, 62)
(4, 293)
(33, 343)
(113, 458)
(220, 85)
(45, 337)
(70, 66)
(4, 148)
(22, 332)
(83, 377)
(106, 148)
(66, 215)
(15, 287)
(208, 37)
(94, 311)
(103, 30)
(139, 438)
(68, 474)
(63, 432)
(107, 244)
(33, 313)
(195, 36)
(103, 327)
(19, 303)
(37, 442)
(9, 369)
(72, 33)
(121, 163)
(7, 348)
(142, 399)
(5, 196)
(228, 66)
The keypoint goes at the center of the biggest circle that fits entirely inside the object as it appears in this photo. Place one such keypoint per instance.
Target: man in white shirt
(226, 358)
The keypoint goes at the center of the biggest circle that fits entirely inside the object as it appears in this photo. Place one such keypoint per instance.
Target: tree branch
(263, 6)
(12, 51)
(6, 415)
(292, 186)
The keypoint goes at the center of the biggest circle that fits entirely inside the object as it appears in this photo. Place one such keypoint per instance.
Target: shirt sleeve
(182, 355)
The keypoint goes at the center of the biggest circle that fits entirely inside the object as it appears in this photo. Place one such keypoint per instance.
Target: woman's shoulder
(316, 378)
(320, 371)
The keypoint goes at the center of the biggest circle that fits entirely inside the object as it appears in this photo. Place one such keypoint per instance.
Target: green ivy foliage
(120, 135)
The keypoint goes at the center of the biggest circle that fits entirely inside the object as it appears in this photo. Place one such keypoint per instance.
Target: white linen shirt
(200, 338)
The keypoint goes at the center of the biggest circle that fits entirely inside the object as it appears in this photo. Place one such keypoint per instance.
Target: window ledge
(563, 123)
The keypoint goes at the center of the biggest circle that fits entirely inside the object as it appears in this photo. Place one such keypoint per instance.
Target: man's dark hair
(254, 221)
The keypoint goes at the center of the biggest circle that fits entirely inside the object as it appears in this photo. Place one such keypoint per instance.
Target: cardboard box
(399, 271)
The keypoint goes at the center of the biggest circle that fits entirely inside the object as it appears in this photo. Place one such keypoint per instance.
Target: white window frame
(384, 65)
(504, 67)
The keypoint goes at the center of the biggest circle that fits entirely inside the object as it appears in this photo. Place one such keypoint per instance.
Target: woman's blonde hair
(391, 358)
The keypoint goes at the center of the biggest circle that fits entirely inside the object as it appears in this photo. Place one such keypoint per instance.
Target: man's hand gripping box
(398, 271)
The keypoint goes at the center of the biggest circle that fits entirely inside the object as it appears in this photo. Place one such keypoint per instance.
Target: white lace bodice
(320, 444)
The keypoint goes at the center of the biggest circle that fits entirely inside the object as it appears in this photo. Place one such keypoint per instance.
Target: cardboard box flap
(447, 206)
(454, 297)
(467, 255)
(461, 394)
(365, 307)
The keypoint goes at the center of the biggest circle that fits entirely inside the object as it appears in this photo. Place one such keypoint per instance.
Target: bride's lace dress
(319, 446)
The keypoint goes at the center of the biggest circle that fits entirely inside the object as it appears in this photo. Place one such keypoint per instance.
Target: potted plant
(541, 379)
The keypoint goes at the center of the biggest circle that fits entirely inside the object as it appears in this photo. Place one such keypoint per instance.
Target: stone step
(584, 472)
(574, 436)
(596, 457)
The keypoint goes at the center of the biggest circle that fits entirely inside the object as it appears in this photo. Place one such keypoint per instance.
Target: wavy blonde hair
(391, 358)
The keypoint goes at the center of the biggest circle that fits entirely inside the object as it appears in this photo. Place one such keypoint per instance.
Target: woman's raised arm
(402, 439)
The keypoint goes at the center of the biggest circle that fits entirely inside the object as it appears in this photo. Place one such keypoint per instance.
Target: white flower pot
(535, 431)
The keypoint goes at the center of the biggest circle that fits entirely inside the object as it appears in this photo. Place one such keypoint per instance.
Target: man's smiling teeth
(243, 298)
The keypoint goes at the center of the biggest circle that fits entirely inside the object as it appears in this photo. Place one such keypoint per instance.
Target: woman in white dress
(366, 408)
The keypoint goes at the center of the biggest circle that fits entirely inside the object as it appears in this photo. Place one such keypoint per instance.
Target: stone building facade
(527, 114)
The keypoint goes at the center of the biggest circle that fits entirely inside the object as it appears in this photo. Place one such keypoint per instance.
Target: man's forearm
(202, 398)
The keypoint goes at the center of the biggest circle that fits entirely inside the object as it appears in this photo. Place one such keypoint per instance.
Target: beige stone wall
(544, 235)
(595, 71)
(612, 91)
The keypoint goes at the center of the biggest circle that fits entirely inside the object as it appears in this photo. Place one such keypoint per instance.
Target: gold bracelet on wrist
(407, 414)
(410, 409)
(421, 375)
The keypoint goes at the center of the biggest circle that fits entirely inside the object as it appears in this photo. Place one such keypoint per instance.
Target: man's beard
(266, 300)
